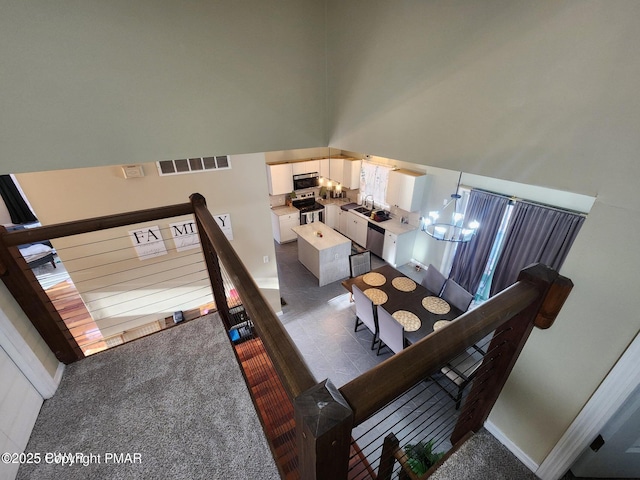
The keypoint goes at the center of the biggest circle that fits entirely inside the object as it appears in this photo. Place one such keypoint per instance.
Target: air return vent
(193, 165)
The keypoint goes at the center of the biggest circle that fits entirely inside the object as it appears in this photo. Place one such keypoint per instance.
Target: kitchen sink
(364, 210)
(380, 215)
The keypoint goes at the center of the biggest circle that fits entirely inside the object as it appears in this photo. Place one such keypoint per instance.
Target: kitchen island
(323, 251)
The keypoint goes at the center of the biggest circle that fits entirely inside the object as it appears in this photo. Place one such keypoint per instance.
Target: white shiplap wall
(20, 403)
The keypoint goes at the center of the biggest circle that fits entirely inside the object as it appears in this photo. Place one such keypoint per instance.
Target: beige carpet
(175, 402)
(482, 457)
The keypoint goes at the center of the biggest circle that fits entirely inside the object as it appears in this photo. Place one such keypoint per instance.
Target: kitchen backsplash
(279, 200)
(413, 218)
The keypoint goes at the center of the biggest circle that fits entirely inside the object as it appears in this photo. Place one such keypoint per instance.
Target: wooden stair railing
(23, 285)
(325, 415)
(287, 359)
(535, 299)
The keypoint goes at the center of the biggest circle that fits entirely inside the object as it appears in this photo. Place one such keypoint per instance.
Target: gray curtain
(471, 258)
(536, 234)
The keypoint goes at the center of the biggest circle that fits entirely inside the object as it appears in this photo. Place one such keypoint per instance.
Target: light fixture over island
(323, 251)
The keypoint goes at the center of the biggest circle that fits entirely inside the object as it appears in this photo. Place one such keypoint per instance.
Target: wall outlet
(265, 259)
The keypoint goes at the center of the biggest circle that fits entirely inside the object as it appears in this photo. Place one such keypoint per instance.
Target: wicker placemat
(408, 320)
(436, 305)
(441, 323)
(404, 284)
(377, 296)
(374, 279)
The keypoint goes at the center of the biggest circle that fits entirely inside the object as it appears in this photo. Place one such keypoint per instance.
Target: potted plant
(421, 457)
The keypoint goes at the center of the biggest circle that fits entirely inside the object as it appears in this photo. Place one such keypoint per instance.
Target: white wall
(94, 83)
(240, 192)
(538, 93)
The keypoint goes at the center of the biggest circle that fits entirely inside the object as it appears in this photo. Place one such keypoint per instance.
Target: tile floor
(321, 320)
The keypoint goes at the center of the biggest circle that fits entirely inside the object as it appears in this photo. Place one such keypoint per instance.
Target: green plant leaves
(421, 456)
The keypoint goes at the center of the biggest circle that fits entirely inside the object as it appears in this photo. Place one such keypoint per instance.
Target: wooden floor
(65, 298)
(272, 403)
(276, 413)
(69, 304)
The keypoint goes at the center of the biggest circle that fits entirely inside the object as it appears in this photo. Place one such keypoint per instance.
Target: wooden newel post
(212, 262)
(387, 458)
(324, 421)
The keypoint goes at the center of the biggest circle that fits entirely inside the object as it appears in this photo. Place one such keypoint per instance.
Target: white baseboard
(512, 447)
(57, 378)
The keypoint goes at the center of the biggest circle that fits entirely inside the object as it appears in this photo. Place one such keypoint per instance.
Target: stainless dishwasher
(375, 239)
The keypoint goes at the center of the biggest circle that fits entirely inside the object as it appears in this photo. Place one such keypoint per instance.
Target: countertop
(284, 210)
(334, 201)
(394, 225)
(330, 238)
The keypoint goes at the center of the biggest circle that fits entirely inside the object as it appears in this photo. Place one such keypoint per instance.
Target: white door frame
(601, 407)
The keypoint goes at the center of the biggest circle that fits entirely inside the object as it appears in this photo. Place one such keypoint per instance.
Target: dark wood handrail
(287, 359)
(367, 393)
(23, 285)
(76, 227)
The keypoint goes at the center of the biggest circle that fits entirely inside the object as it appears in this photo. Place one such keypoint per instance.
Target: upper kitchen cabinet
(405, 189)
(306, 166)
(345, 171)
(280, 178)
(325, 167)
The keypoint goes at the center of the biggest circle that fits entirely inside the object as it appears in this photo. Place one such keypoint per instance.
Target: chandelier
(453, 228)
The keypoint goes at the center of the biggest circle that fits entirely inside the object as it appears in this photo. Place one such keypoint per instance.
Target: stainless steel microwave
(306, 180)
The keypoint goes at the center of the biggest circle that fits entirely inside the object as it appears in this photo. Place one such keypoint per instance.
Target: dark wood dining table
(402, 300)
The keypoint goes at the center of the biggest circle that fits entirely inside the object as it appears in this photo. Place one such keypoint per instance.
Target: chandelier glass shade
(449, 228)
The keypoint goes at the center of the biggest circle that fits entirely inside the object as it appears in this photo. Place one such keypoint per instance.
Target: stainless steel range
(310, 210)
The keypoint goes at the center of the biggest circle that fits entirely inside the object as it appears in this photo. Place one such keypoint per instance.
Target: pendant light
(450, 228)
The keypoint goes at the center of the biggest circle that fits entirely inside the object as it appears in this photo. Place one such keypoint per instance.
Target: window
(193, 165)
(373, 182)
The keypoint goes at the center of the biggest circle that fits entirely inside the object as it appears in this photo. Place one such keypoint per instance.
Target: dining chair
(461, 371)
(455, 295)
(391, 332)
(365, 314)
(360, 263)
(433, 280)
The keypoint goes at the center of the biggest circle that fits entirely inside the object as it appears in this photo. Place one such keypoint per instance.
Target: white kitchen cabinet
(307, 166)
(280, 178)
(282, 225)
(331, 212)
(405, 189)
(351, 174)
(357, 228)
(398, 248)
(325, 167)
(336, 169)
(343, 217)
(346, 172)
